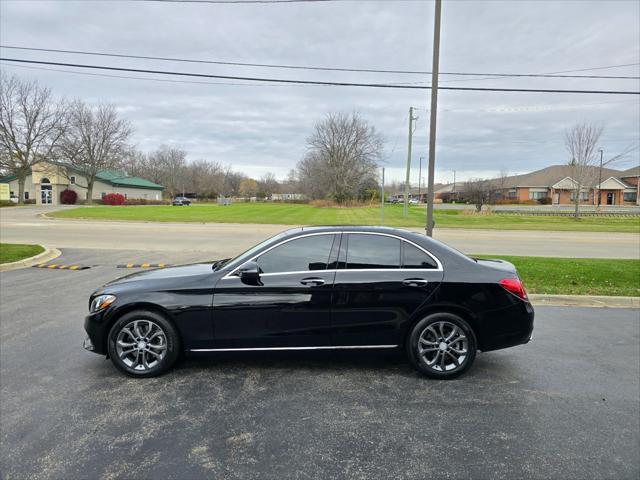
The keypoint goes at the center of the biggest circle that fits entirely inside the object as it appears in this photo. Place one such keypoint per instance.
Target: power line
(334, 69)
(313, 82)
(239, 2)
(129, 77)
(516, 109)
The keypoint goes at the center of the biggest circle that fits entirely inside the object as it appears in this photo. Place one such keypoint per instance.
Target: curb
(584, 301)
(48, 254)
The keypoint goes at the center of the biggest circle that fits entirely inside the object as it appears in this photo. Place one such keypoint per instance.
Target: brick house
(555, 182)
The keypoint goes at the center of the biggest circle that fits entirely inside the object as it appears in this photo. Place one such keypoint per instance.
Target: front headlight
(101, 302)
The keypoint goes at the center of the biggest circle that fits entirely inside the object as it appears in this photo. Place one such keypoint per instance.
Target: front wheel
(143, 344)
(442, 346)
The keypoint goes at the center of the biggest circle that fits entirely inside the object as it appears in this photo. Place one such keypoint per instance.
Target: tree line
(341, 162)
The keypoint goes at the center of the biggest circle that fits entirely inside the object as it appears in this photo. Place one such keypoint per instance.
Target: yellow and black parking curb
(143, 265)
(60, 266)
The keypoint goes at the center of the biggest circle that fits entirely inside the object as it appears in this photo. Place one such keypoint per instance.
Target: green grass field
(12, 252)
(303, 214)
(577, 276)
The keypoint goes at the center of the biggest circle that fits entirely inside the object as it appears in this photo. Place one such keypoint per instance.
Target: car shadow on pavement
(335, 362)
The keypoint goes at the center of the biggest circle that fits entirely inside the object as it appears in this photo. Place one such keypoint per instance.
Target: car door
(290, 306)
(381, 282)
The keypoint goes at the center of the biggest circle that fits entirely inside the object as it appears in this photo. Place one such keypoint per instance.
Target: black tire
(428, 329)
(170, 342)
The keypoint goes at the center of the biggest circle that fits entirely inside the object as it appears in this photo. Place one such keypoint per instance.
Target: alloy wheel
(141, 345)
(443, 346)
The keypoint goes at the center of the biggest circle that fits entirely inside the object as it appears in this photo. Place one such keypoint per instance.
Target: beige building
(47, 181)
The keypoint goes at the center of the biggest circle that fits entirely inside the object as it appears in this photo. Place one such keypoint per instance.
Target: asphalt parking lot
(566, 405)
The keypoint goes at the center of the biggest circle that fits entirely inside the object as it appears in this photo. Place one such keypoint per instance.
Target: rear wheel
(143, 344)
(442, 346)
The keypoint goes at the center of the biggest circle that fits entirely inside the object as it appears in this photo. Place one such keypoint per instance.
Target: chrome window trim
(402, 239)
(230, 274)
(262, 349)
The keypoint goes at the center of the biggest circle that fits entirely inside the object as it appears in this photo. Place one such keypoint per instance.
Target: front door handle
(315, 282)
(415, 282)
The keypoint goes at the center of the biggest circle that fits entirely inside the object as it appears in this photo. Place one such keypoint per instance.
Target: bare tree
(232, 181)
(96, 140)
(480, 192)
(342, 156)
(31, 126)
(581, 143)
(170, 164)
(268, 185)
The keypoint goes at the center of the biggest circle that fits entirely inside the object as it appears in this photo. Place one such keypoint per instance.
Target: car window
(372, 251)
(416, 258)
(300, 255)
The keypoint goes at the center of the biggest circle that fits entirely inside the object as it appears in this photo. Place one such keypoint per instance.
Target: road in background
(25, 225)
(563, 406)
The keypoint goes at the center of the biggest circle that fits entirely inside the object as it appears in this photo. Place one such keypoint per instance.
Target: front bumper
(96, 326)
(88, 345)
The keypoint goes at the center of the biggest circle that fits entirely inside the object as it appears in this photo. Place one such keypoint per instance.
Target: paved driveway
(564, 406)
(24, 225)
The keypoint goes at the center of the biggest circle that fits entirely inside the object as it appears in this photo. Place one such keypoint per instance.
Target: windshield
(245, 256)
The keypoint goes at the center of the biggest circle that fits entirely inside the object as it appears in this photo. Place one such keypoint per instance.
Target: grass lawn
(12, 252)
(303, 214)
(577, 276)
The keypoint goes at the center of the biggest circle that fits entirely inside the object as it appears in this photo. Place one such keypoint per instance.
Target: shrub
(6, 203)
(143, 201)
(544, 201)
(31, 201)
(113, 199)
(333, 204)
(68, 197)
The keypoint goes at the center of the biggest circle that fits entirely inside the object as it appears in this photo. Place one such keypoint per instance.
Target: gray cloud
(263, 128)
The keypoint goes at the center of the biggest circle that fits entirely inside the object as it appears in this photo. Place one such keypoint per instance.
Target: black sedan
(316, 288)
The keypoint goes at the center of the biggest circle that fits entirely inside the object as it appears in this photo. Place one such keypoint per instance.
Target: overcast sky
(261, 128)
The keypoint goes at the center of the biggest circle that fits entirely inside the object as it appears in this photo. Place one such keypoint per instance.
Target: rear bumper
(514, 327)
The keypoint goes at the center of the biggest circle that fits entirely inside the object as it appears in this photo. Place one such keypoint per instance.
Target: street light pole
(420, 180)
(408, 176)
(453, 191)
(434, 110)
(382, 199)
(600, 179)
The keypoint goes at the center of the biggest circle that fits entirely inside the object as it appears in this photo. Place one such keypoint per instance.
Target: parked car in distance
(180, 201)
(316, 288)
(414, 201)
(13, 198)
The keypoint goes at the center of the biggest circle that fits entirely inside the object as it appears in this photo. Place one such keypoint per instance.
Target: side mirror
(250, 273)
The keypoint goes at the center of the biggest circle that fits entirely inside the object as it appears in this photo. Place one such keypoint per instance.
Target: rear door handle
(415, 282)
(316, 282)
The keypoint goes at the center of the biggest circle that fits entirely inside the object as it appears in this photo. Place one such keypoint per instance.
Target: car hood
(180, 274)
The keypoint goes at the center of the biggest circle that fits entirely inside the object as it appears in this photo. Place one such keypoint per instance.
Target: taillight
(515, 286)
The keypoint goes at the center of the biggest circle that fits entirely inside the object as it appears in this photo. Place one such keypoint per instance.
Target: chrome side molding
(260, 349)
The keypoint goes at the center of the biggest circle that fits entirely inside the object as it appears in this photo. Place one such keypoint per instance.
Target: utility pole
(382, 201)
(408, 178)
(600, 179)
(453, 190)
(420, 180)
(434, 110)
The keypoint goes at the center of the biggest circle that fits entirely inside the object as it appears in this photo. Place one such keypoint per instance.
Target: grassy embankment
(577, 276)
(12, 252)
(304, 214)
